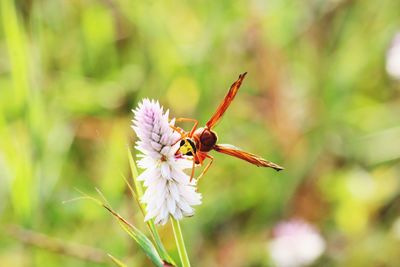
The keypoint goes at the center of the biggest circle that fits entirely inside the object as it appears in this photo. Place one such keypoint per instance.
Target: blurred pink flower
(168, 189)
(393, 57)
(295, 243)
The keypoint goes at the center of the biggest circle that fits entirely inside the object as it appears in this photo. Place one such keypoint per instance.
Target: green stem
(180, 244)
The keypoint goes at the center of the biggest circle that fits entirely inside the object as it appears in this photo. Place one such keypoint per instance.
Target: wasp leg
(192, 172)
(179, 130)
(199, 158)
(207, 167)
(196, 122)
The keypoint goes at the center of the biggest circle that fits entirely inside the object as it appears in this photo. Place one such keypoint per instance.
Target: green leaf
(144, 243)
(137, 186)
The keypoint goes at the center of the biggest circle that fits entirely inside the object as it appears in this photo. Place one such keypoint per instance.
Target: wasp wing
(226, 102)
(249, 157)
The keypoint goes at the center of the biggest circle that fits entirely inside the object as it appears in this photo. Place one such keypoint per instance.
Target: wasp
(200, 141)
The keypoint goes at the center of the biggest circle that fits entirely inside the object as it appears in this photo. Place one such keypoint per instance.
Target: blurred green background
(317, 100)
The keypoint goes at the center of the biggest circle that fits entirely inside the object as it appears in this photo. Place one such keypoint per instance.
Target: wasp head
(187, 147)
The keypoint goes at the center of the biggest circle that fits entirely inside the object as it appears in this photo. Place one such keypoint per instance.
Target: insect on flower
(199, 141)
(169, 191)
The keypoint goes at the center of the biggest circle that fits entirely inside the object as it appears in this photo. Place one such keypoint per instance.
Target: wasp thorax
(207, 138)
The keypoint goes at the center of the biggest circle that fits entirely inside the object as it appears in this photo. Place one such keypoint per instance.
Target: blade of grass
(23, 184)
(144, 243)
(139, 237)
(180, 243)
(137, 185)
(117, 261)
(137, 192)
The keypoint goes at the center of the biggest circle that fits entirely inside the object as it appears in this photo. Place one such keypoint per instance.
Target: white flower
(295, 243)
(168, 190)
(393, 58)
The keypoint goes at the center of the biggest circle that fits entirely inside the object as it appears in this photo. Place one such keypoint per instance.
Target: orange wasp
(199, 141)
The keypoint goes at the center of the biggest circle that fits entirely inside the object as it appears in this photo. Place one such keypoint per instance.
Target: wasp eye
(182, 142)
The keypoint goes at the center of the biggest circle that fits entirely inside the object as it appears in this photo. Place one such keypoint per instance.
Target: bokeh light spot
(183, 95)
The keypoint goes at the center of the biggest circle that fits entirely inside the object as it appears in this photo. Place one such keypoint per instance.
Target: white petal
(171, 205)
(179, 176)
(156, 145)
(165, 171)
(185, 207)
(174, 191)
(155, 137)
(182, 163)
(150, 172)
(178, 214)
(146, 162)
(166, 150)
